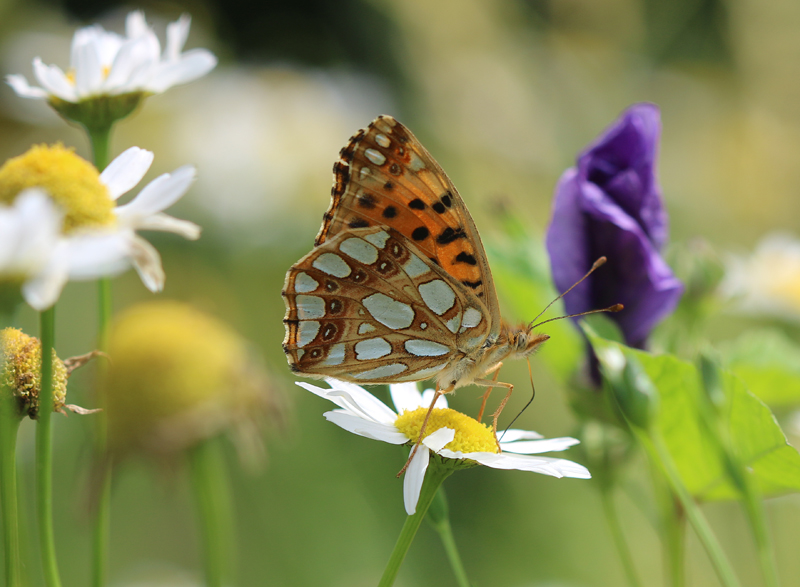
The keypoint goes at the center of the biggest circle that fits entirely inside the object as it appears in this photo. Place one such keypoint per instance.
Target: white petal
(544, 465)
(167, 223)
(53, 80)
(436, 441)
(126, 170)
(191, 65)
(147, 262)
(513, 434)
(427, 398)
(133, 57)
(530, 447)
(43, 289)
(158, 195)
(96, 254)
(405, 396)
(177, 33)
(370, 405)
(20, 85)
(88, 70)
(415, 476)
(135, 24)
(366, 428)
(29, 232)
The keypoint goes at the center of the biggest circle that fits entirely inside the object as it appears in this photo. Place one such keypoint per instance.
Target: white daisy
(105, 63)
(449, 434)
(36, 260)
(767, 282)
(98, 237)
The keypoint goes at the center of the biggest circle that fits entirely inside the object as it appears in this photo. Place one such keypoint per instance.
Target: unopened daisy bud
(633, 390)
(177, 377)
(21, 372)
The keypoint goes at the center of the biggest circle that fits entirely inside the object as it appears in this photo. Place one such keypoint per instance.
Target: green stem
(436, 474)
(9, 424)
(439, 518)
(101, 143)
(102, 521)
(675, 531)
(610, 510)
(655, 448)
(209, 482)
(44, 453)
(755, 512)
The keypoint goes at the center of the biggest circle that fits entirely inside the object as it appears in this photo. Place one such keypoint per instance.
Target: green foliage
(769, 363)
(755, 437)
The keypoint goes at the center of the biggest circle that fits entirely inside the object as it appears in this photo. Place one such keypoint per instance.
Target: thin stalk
(102, 521)
(44, 453)
(655, 448)
(209, 482)
(673, 528)
(436, 474)
(612, 518)
(439, 518)
(766, 555)
(101, 141)
(9, 424)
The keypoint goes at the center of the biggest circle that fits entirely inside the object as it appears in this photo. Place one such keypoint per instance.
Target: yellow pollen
(471, 435)
(72, 182)
(71, 76)
(106, 70)
(20, 372)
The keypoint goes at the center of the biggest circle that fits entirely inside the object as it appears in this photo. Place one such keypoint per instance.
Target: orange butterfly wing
(386, 177)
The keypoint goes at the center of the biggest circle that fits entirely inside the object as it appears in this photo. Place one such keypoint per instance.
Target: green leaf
(769, 363)
(755, 435)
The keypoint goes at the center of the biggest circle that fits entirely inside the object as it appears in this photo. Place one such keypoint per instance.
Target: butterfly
(398, 286)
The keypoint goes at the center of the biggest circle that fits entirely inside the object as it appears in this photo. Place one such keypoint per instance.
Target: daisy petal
(366, 428)
(371, 405)
(20, 85)
(94, 255)
(529, 447)
(88, 70)
(126, 170)
(177, 33)
(415, 475)
(42, 291)
(167, 223)
(436, 441)
(147, 262)
(544, 465)
(513, 434)
(53, 80)
(405, 396)
(191, 65)
(158, 195)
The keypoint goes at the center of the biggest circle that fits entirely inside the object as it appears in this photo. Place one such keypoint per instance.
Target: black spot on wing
(420, 233)
(358, 223)
(449, 235)
(439, 208)
(366, 201)
(463, 257)
(416, 204)
(473, 284)
(389, 212)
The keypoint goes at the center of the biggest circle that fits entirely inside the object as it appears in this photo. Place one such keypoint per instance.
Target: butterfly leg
(496, 415)
(496, 370)
(436, 397)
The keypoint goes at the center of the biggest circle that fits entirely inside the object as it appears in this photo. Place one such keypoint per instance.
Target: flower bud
(178, 376)
(21, 372)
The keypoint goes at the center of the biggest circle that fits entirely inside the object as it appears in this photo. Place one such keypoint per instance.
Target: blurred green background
(504, 93)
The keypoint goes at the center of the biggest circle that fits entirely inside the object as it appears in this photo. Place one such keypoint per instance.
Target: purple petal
(621, 162)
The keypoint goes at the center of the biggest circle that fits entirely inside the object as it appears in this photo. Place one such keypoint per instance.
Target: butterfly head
(523, 341)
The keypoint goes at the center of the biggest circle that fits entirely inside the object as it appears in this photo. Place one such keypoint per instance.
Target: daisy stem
(433, 480)
(210, 485)
(612, 518)
(9, 424)
(101, 148)
(439, 518)
(657, 450)
(673, 528)
(101, 528)
(44, 453)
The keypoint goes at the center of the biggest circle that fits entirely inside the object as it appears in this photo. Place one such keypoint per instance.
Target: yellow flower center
(21, 371)
(471, 435)
(72, 182)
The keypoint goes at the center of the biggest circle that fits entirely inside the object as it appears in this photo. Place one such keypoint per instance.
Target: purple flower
(610, 205)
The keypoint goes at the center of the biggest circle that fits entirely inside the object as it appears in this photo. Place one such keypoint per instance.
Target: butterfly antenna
(599, 263)
(611, 309)
(530, 401)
